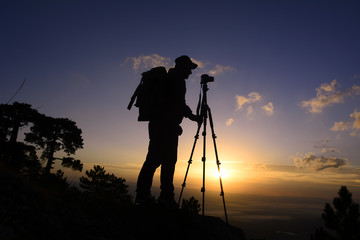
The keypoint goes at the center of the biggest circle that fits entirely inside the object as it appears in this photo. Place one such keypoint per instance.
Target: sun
(224, 174)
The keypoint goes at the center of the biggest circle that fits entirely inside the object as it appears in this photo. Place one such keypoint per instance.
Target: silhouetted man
(164, 130)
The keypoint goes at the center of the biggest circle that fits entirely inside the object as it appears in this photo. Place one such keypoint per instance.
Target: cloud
(353, 124)
(329, 150)
(229, 121)
(324, 147)
(248, 100)
(326, 95)
(318, 163)
(240, 100)
(252, 97)
(145, 62)
(356, 115)
(220, 69)
(198, 62)
(341, 126)
(269, 108)
(250, 112)
(322, 143)
(355, 90)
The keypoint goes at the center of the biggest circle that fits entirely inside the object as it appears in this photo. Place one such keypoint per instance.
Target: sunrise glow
(284, 100)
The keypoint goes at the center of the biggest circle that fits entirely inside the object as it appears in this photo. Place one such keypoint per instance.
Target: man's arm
(191, 116)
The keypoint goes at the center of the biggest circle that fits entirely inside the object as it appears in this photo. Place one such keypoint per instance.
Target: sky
(285, 100)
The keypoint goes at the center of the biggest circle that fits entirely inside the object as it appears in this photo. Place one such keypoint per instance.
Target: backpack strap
(132, 100)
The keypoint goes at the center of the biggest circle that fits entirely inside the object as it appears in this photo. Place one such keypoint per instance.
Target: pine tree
(342, 222)
(101, 184)
(15, 155)
(55, 134)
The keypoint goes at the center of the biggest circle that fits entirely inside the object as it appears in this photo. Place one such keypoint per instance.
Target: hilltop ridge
(31, 210)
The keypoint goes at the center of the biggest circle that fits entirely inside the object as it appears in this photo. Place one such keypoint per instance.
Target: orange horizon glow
(244, 178)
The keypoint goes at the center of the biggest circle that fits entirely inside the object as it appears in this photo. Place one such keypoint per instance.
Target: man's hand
(196, 118)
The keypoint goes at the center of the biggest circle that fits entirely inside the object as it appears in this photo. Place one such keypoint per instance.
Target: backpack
(149, 93)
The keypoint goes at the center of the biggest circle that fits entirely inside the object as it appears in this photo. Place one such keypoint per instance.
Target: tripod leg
(204, 158)
(217, 162)
(189, 162)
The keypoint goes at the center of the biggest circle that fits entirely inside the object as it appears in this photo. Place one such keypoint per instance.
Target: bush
(191, 206)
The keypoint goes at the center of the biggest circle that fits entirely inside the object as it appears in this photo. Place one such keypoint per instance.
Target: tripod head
(206, 79)
(202, 104)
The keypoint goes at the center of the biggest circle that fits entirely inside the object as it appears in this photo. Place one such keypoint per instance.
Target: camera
(206, 78)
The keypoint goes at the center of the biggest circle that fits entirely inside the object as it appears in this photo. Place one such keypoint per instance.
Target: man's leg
(149, 167)
(168, 167)
(146, 174)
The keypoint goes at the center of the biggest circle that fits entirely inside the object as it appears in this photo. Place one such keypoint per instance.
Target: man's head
(185, 64)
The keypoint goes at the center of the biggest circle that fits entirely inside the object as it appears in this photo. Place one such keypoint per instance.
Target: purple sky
(285, 101)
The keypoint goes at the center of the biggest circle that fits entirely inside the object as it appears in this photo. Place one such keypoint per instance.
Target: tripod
(205, 113)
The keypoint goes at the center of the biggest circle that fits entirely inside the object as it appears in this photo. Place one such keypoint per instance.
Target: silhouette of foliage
(191, 206)
(99, 183)
(342, 222)
(15, 155)
(13, 117)
(20, 157)
(72, 163)
(38, 210)
(57, 182)
(55, 134)
(47, 133)
(34, 205)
